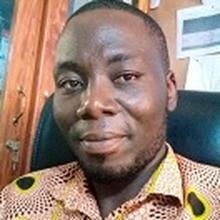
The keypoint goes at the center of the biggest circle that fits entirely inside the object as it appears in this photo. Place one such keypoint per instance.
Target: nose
(97, 101)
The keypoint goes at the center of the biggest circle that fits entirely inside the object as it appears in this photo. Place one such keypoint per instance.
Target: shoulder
(48, 177)
(198, 174)
(33, 188)
(201, 187)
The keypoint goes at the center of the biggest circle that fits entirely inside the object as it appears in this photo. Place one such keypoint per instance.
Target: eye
(126, 77)
(70, 85)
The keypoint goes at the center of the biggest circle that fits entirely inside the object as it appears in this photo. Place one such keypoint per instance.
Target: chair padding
(194, 128)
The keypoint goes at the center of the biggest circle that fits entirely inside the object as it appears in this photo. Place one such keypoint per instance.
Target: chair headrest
(193, 128)
(49, 147)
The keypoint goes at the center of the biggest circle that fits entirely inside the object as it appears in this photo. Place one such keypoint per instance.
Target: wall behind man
(166, 16)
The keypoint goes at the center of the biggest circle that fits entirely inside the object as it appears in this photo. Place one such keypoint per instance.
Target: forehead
(104, 31)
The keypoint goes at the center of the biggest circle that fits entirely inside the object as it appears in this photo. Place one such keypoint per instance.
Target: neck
(112, 195)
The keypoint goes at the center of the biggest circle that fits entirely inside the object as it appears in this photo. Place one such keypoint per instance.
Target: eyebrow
(118, 58)
(73, 66)
(67, 66)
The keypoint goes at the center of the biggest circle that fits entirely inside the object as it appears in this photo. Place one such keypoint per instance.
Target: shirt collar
(167, 179)
(75, 195)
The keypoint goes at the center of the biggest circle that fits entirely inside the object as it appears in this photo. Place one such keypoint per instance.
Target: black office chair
(193, 131)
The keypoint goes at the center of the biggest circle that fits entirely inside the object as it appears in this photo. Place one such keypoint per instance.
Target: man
(114, 88)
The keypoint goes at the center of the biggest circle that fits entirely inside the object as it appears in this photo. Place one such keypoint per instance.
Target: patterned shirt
(178, 189)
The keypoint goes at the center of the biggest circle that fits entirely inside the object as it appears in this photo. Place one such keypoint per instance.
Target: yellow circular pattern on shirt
(21, 218)
(202, 200)
(35, 177)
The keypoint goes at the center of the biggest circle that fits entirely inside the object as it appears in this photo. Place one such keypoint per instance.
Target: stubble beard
(103, 175)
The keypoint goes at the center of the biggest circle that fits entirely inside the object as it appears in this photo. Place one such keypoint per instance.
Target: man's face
(112, 94)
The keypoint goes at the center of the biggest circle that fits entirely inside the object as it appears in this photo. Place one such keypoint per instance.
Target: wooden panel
(54, 19)
(144, 5)
(166, 17)
(21, 68)
(37, 25)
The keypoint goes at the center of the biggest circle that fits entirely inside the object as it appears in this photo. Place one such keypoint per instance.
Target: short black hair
(149, 22)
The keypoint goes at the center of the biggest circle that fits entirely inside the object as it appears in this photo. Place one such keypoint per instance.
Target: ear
(171, 91)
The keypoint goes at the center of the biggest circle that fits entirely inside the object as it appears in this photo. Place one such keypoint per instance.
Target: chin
(109, 174)
(97, 169)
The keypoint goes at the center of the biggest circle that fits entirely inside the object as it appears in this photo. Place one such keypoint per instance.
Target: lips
(102, 143)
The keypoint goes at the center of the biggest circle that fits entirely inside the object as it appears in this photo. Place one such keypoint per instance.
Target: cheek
(64, 112)
(144, 105)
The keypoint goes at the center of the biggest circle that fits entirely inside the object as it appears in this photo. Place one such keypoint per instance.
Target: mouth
(102, 143)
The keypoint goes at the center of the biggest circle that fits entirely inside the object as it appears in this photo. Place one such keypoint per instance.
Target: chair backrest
(49, 147)
(194, 127)
(193, 130)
